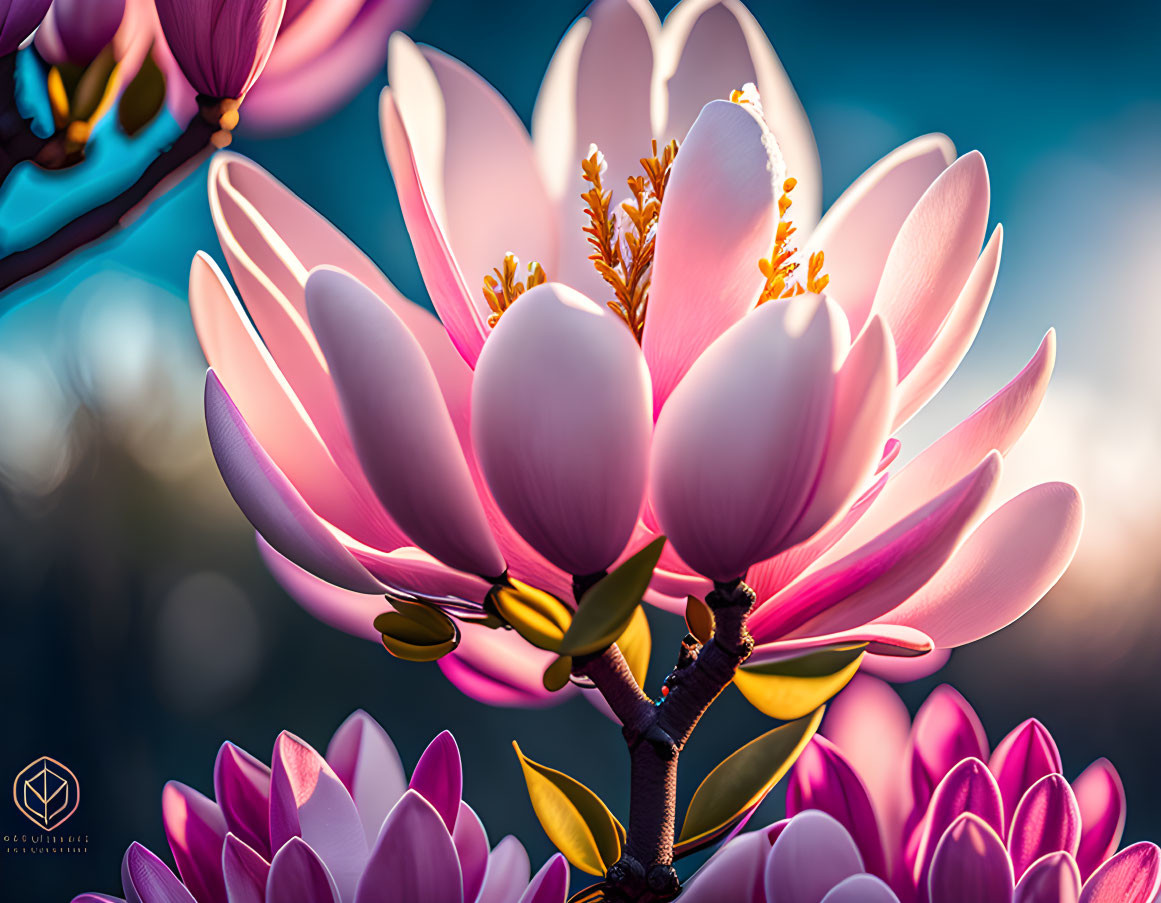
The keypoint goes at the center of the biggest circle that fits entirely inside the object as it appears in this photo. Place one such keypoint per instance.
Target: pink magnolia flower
(527, 432)
(934, 813)
(76, 31)
(221, 47)
(347, 828)
(325, 52)
(18, 19)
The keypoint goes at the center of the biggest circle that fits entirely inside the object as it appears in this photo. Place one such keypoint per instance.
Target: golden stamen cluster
(623, 253)
(505, 287)
(778, 267)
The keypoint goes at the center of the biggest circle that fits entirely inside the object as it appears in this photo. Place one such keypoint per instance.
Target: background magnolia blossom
(123, 548)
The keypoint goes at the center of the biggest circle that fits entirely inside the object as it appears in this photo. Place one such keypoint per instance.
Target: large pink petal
(196, 831)
(272, 240)
(710, 48)
(471, 843)
(550, 884)
(146, 879)
(735, 872)
(271, 409)
(608, 52)
(861, 889)
(307, 30)
(507, 875)
(1101, 798)
(441, 274)
(463, 132)
(1051, 879)
(1021, 759)
(270, 502)
(727, 499)
(968, 787)
(439, 778)
(1002, 570)
(858, 230)
(364, 759)
(884, 639)
(932, 256)
(1132, 876)
(996, 424)
(970, 865)
(859, 423)
(956, 335)
(414, 858)
(900, 670)
(1046, 820)
(242, 789)
(868, 707)
(812, 855)
(717, 222)
(946, 731)
(299, 875)
(561, 425)
(308, 801)
(244, 872)
(823, 779)
(880, 575)
(401, 429)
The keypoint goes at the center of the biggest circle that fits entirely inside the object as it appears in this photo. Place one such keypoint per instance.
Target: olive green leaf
(636, 644)
(96, 88)
(595, 893)
(557, 674)
(573, 817)
(607, 606)
(794, 687)
(699, 619)
(742, 781)
(142, 98)
(539, 617)
(417, 631)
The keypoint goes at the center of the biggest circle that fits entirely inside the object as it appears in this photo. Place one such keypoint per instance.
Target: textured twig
(93, 224)
(656, 735)
(17, 140)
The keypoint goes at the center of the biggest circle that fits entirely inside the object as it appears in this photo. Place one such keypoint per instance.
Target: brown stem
(656, 734)
(93, 224)
(17, 140)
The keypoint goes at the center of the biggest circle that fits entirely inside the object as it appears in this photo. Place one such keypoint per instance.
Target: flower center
(623, 240)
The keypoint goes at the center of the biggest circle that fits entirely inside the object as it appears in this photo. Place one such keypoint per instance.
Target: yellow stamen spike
(778, 268)
(503, 288)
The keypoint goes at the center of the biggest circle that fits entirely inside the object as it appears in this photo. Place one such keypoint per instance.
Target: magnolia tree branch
(94, 223)
(17, 140)
(656, 734)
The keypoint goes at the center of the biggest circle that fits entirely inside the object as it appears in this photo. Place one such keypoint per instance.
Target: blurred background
(140, 628)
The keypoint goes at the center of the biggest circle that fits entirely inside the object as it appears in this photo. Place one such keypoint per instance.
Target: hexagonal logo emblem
(47, 792)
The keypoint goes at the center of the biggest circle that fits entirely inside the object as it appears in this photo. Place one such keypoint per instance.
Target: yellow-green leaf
(142, 98)
(699, 619)
(742, 781)
(557, 674)
(608, 605)
(574, 818)
(636, 644)
(539, 617)
(416, 631)
(794, 687)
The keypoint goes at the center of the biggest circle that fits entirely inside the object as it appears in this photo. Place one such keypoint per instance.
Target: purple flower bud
(76, 31)
(18, 19)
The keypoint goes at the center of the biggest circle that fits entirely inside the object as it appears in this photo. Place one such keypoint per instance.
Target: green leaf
(636, 644)
(742, 781)
(699, 619)
(574, 818)
(539, 617)
(794, 687)
(417, 631)
(607, 606)
(143, 97)
(556, 675)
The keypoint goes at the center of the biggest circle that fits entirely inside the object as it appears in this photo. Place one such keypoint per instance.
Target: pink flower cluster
(345, 828)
